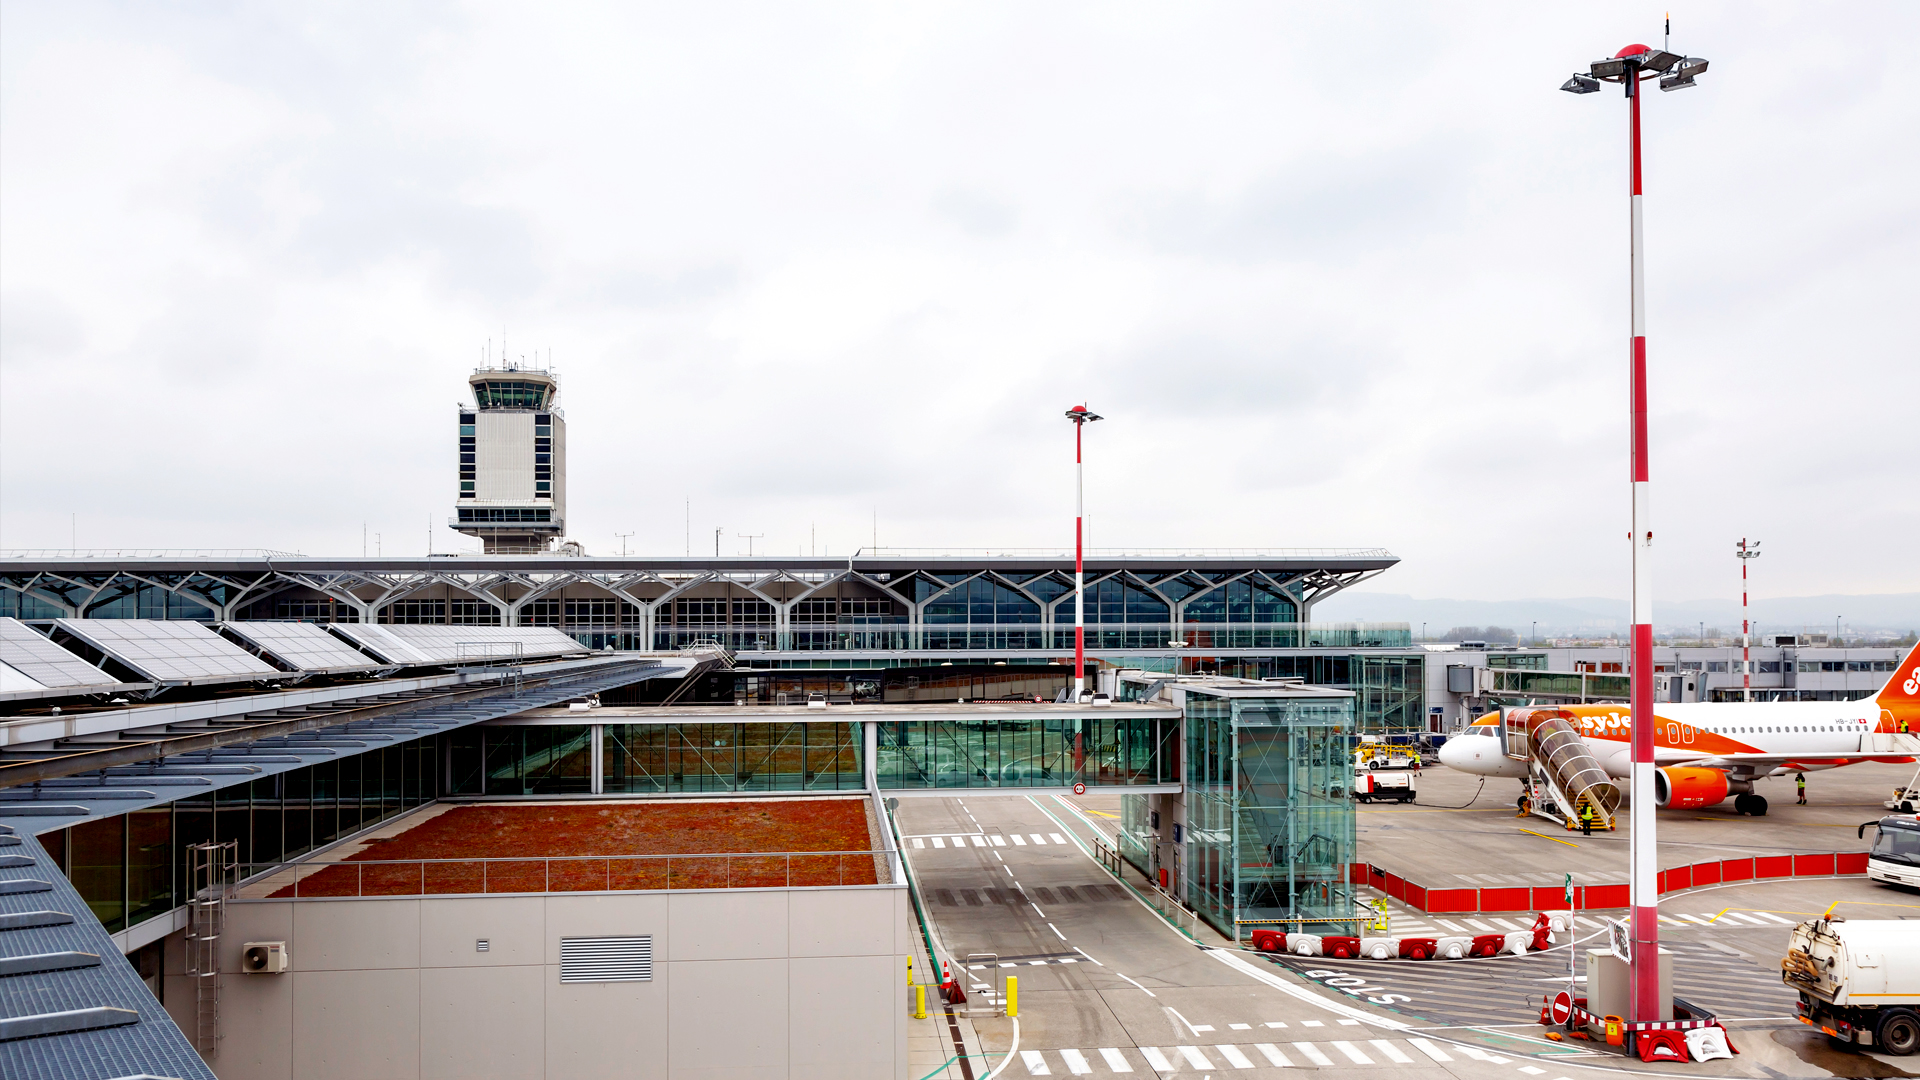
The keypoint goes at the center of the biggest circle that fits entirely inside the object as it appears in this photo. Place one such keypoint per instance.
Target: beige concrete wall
(748, 985)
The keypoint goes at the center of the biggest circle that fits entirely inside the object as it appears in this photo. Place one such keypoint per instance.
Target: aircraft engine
(1682, 788)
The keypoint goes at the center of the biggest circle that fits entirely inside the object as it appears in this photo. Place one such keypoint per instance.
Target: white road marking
(1393, 1052)
(1035, 907)
(1531, 1071)
(1065, 959)
(998, 840)
(1036, 1065)
(1076, 1062)
(919, 843)
(979, 841)
(1745, 919)
(1234, 1057)
(1276, 1023)
(1061, 936)
(1774, 918)
(959, 841)
(1017, 841)
(1057, 838)
(1349, 1023)
(1083, 952)
(1478, 925)
(1194, 1057)
(938, 842)
(1239, 1027)
(1478, 1054)
(1143, 989)
(1505, 925)
(1273, 1054)
(1037, 838)
(1312, 1053)
(1313, 1023)
(1430, 1049)
(1591, 924)
(1703, 920)
(1452, 928)
(1154, 1057)
(1116, 1060)
(1036, 963)
(1353, 1052)
(1191, 1026)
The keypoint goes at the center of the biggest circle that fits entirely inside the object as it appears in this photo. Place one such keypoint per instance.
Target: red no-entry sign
(1079, 789)
(1562, 1007)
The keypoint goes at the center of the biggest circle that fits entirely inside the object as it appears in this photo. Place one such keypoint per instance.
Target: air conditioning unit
(263, 957)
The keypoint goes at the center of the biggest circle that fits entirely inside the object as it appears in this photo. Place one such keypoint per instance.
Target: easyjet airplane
(1708, 751)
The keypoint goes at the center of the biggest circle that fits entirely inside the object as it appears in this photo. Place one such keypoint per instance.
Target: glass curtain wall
(132, 867)
(657, 758)
(1270, 827)
(1109, 751)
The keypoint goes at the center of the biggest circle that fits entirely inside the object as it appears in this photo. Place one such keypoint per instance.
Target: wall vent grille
(606, 959)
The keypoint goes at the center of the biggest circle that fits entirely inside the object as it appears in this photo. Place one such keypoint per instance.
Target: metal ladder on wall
(210, 869)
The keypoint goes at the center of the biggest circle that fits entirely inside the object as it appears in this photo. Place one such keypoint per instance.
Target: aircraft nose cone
(1452, 752)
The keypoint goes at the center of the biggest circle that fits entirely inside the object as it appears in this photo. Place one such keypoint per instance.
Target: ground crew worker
(1903, 725)
(1586, 819)
(1801, 782)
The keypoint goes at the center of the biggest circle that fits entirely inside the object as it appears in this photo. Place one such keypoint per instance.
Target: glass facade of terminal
(131, 867)
(1027, 752)
(1270, 827)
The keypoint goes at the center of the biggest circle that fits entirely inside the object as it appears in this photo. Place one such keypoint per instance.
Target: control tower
(513, 461)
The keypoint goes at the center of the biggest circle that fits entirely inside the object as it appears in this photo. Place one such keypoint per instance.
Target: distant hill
(1594, 615)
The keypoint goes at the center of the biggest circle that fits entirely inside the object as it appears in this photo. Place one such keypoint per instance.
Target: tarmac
(1465, 833)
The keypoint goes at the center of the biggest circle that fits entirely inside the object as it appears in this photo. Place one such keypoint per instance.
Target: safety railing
(353, 878)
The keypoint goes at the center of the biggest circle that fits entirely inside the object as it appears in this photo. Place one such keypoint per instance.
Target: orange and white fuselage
(1739, 741)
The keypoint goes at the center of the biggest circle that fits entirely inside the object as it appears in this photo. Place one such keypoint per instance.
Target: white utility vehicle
(1858, 981)
(1384, 772)
(1894, 858)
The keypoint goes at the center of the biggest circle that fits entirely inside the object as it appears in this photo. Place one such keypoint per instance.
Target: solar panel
(302, 645)
(468, 644)
(34, 657)
(379, 641)
(166, 650)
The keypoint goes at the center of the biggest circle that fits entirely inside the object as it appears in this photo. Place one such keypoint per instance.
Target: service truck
(1383, 772)
(1859, 980)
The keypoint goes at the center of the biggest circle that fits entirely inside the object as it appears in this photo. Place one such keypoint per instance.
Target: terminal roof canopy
(303, 646)
(170, 651)
(28, 661)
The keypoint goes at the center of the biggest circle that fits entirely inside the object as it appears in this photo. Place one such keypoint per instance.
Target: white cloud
(1336, 276)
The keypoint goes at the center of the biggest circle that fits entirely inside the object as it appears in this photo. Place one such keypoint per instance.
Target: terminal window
(314, 611)
(472, 613)
(415, 611)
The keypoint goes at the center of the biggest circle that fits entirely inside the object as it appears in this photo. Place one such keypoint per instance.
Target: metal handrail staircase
(1562, 767)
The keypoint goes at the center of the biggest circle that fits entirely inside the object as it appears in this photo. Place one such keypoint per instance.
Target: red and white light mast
(1081, 418)
(1630, 67)
(1746, 551)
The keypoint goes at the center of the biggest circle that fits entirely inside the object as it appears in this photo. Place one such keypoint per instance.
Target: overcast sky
(1335, 274)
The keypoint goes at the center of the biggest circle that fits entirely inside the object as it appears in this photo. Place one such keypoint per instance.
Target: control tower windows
(511, 394)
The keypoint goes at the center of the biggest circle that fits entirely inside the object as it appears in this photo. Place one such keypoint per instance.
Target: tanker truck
(1858, 981)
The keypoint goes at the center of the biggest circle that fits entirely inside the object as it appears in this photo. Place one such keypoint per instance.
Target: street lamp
(1081, 418)
(1630, 67)
(1744, 552)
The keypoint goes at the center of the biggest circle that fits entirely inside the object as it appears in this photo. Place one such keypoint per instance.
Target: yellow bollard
(920, 1002)
(909, 971)
(1013, 995)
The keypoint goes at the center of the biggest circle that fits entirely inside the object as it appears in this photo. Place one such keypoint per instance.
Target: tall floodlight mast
(1744, 553)
(1630, 67)
(1081, 418)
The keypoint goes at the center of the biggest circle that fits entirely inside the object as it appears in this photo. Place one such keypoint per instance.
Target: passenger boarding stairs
(1563, 776)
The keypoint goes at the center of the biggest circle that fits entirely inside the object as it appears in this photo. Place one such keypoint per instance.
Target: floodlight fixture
(1581, 84)
(1682, 77)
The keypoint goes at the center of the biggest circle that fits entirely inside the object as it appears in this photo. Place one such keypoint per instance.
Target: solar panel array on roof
(41, 663)
(468, 644)
(170, 651)
(380, 641)
(303, 646)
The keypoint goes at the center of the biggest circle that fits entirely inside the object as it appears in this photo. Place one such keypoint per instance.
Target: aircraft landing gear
(1755, 805)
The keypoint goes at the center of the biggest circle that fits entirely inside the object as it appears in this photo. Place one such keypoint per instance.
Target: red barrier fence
(1672, 879)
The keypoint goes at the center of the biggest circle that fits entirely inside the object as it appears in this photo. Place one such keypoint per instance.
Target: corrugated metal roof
(151, 1044)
